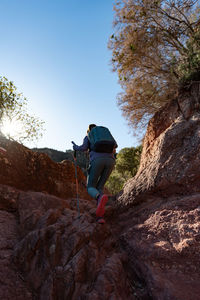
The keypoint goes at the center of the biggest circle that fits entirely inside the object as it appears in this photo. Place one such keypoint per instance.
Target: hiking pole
(77, 195)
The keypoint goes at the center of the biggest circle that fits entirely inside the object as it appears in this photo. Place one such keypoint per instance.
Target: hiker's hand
(74, 145)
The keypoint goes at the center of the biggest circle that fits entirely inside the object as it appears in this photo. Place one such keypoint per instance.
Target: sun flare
(11, 128)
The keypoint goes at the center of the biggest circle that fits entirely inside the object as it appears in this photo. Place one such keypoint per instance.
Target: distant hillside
(56, 155)
(59, 156)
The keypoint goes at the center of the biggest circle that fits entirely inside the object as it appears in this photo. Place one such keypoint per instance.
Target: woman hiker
(101, 146)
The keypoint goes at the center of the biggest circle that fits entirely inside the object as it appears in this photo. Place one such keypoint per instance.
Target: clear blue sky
(56, 54)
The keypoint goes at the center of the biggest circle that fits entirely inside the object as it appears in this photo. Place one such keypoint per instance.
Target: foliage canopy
(127, 164)
(155, 48)
(13, 108)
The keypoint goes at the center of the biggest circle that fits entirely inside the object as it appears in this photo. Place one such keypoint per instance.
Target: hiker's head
(90, 127)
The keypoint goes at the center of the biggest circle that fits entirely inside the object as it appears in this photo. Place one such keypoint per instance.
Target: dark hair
(90, 127)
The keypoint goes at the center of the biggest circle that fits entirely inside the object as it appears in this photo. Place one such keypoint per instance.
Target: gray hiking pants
(98, 173)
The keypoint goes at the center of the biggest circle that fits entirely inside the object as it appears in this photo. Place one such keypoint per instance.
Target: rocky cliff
(170, 162)
(58, 156)
(149, 247)
(28, 170)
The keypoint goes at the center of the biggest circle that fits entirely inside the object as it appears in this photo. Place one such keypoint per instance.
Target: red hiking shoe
(2, 150)
(101, 205)
(101, 220)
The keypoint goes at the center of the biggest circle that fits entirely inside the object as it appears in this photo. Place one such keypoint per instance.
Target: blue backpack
(101, 140)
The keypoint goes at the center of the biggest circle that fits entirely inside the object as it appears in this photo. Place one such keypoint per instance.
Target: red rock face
(27, 170)
(57, 254)
(170, 162)
(150, 251)
(163, 244)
